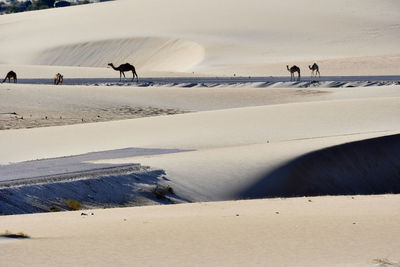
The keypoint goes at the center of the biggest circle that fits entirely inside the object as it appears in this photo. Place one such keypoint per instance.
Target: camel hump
(11, 74)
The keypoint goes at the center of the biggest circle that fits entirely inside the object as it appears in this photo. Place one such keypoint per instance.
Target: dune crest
(364, 167)
(155, 53)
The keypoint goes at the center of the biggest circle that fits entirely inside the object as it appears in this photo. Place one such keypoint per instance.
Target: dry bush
(73, 204)
(12, 235)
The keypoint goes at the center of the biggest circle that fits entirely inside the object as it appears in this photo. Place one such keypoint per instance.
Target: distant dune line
(211, 82)
(364, 167)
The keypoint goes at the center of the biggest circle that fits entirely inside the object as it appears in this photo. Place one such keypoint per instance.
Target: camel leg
(137, 77)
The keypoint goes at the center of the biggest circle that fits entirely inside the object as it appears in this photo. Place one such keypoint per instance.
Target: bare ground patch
(35, 118)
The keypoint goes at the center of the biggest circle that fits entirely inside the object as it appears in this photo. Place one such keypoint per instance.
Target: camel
(292, 70)
(10, 74)
(125, 67)
(58, 79)
(314, 68)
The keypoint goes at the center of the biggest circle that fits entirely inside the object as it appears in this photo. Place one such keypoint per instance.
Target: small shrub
(170, 190)
(54, 208)
(161, 191)
(384, 261)
(73, 204)
(17, 235)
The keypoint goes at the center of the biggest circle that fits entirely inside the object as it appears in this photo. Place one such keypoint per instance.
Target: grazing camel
(58, 79)
(314, 68)
(125, 67)
(10, 74)
(292, 70)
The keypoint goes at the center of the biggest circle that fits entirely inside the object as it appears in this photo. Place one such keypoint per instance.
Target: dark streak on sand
(12, 120)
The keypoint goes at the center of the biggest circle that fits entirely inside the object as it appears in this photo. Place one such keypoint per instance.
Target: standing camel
(292, 70)
(10, 74)
(125, 67)
(314, 68)
(58, 79)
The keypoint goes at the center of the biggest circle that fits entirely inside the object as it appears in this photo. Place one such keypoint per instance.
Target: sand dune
(363, 167)
(41, 105)
(294, 232)
(252, 38)
(207, 129)
(150, 54)
(250, 133)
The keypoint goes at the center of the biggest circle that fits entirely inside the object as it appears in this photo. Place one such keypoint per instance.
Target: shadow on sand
(364, 167)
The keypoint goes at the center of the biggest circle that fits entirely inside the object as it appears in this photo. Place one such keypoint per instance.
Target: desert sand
(260, 170)
(322, 231)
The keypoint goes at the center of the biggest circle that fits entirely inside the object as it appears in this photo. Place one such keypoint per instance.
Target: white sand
(249, 38)
(207, 129)
(235, 136)
(323, 231)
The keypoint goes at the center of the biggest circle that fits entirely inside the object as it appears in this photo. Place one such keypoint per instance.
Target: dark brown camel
(58, 79)
(125, 67)
(314, 68)
(292, 70)
(10, 75)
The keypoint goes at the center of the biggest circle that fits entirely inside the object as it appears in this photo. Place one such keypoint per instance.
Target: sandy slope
(207, 129)
(28, 106)
(230, 149)
(248, 38)
(335, 231)
(319, 166)
(224, 149)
